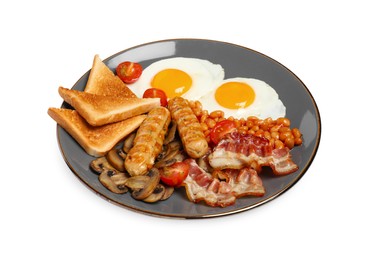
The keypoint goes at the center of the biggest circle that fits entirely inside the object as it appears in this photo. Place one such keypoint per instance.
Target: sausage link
(148, 142)
(189, 128)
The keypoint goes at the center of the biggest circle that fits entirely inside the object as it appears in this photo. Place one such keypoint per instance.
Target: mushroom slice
(100, 164)
(156, 195)
(116, 158)
(114, 181)
(137, 182)
(164, 163)
(168, 158)
(171, 134)
(129, 142)
(154, 179)
(168, 192)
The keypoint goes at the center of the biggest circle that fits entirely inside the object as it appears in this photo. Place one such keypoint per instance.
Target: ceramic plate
(237, 61)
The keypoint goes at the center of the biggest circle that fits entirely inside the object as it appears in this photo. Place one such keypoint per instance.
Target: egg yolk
(235, 95)
(173, 82)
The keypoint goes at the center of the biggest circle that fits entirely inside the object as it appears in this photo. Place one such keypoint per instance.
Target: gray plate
(237, 61)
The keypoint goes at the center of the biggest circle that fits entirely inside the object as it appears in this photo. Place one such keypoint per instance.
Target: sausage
(148, 142)
(189, 127)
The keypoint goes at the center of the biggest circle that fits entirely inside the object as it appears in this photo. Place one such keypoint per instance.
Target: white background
(46, 213)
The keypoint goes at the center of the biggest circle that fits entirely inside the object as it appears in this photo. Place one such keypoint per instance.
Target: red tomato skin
(175, 174)
(156, 93)
(129, 72)
(220, 129)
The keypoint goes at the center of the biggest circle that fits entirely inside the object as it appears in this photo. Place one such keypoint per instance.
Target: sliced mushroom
(168, 192)
(129, 142)
(168, 157)
(156, 195)
(164, 163)
(100, 164)
(137, 182)
(171, 134)
(114, 180)
(116, 158)
(141, 194)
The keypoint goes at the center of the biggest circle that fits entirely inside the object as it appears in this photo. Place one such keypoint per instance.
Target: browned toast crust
(100, 110)
(96, 141)
(103, 81)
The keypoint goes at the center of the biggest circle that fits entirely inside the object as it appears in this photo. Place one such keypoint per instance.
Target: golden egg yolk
(173, 82)
(235, 95)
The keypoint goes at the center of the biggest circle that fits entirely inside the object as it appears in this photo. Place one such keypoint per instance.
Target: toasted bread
(96, 141)
(103, 81)
(100, 110)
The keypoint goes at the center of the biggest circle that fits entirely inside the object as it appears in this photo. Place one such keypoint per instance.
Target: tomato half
(221, 129)
(175, 174)
(156, 93)
(129, 72)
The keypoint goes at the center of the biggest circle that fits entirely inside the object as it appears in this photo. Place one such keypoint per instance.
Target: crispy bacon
(237, 151)
(244, 182)
(202, 186)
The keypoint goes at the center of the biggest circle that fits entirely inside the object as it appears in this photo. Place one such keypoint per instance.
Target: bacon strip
(237, 151)
(244, 182)
(202, 186)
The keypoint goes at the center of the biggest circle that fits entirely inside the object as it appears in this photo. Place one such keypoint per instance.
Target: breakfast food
(180, 124)
(277, 131)
(103, 81)
(96, 141)
(148, 142)
(237, 151)
(189, 127)
(189, 78)
(129, 72)
(100, 110)
(244, 97)
(214, 191)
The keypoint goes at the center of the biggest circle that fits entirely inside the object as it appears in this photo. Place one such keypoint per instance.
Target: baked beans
(278, 131)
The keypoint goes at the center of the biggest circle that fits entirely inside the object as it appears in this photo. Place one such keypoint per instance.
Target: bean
(267, 135)
(278, 144)
(284, 135)
(244, 127)
(289, 142)
(255, 128)
(284, 129)
(298, 141)
(203, 117)
(210, 122)
(275, 128)
(275, 135)
(217, 114)
(251, 132)
(249, 123)
(296, 133)
(237, 123)
(283, 121)
(204, 126)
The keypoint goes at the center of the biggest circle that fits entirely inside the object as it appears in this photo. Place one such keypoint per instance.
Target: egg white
(203, 73)
(266, 103)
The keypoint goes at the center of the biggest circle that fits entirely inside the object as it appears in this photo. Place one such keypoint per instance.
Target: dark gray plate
(237, 61)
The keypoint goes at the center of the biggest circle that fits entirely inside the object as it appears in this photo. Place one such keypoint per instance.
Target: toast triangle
(96, 141)
(100, 110)
(103, 81)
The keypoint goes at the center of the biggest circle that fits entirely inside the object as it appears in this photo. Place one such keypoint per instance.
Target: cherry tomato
(221, 129)
(175, 174)
(156, 93)
(129, 72)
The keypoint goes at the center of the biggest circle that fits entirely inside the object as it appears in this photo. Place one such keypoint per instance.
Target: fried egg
(190, 78)
(244, 97)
